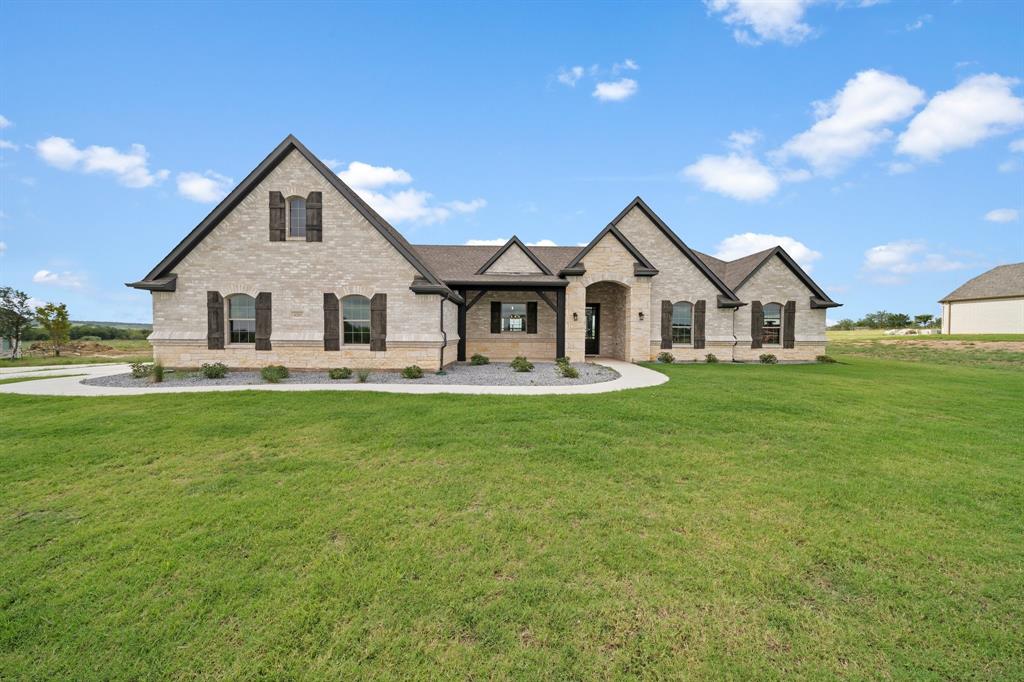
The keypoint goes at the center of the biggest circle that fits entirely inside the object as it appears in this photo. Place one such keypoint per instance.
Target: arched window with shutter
(771, 330)
(241, 319)
(355, 312)
(296, 218)
(682, 323)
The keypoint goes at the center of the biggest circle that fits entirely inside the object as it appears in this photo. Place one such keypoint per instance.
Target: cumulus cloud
(1002, 215)
(365, 176)
(900, 167)
(570, 76)
(466, 206)
(757, 21)
(3, 248)
(130, 168)
(501, 241)
(736, 176)
(615, 91)
(206, 188)
(854, 121)
(542, 242)
(5, 122)
(890, 263)
(1017, 146)
(919, 23)
(743, 140)
(980, 107)
(7, 144)
(626, 65)
(406, 205)
(61, 279)
(739, 245)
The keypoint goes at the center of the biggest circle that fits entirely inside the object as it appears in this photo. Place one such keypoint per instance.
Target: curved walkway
(630, 376)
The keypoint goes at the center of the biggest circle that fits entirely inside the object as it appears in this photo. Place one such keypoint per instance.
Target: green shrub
(825, 358)
(441, 373)
(89, 338)
(479, 359)
(768, 359)
(274, 373)
(339, 373)
(362, 375)
(216, 370)
(412, 372)
(568, 371)
(666, 358)
(158, 372)
(711, 358)
(521, 364)
(141, 370)
(564, 360)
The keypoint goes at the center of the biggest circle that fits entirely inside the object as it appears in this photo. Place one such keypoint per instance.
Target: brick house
(294, 268)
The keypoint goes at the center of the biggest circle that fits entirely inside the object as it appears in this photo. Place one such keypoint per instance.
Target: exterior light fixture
(641, 316)
(575, 316)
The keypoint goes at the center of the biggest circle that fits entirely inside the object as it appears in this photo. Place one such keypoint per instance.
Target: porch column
(461, 357)
(560, 322)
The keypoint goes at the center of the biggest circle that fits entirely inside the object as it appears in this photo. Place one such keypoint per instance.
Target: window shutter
(314, 217)
(332, 327)
(531, 317)
(495, 317)
(666, 324)
(698, 324)
(789, 325)
(214, 320)
(379, 322)
(276, 217)
(263, 321)
(756, 323)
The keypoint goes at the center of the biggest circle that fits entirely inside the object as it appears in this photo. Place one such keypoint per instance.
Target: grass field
(124, 350)
(860, 520)
(1003, 351)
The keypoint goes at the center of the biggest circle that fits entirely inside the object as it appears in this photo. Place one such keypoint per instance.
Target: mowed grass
(124, 350)
(860, 520)
(18, 380)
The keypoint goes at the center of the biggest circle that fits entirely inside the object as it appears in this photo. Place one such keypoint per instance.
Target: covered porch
(504, 319)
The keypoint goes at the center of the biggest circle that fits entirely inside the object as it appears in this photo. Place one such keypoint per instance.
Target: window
(771, 331)
(297, 217)
(513, 317)
(682, 323)
(356, 314)
(242, 318)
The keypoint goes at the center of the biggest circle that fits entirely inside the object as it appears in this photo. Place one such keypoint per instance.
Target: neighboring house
(294, 268)
(991, 303)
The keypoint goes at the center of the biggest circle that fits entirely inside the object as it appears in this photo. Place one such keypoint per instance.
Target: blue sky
(883, 142)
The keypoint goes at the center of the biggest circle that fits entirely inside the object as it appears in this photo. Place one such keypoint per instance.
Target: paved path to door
(630, 376)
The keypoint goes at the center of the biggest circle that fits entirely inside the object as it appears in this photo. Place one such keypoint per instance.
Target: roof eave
(169, 283)
(819, 303)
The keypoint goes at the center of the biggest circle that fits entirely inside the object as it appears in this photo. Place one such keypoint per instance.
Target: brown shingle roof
(999, 282)
(460, 263)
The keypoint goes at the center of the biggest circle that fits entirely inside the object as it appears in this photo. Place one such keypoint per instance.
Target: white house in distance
(991, 303)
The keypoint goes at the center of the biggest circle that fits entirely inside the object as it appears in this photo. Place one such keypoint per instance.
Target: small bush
(158, 372)
(216, 370)
(339, 373)
(564, 360)
(89, 338)
(825, 358)
(362, 375)
(711, 358)
(412, 372)
(141, 370)
(441, 373)
(568, 371)
(479, 359)
(768, 359)
(666, 358)
(521, 364)
(274, 373)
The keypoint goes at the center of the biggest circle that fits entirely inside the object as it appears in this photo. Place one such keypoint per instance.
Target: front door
(593, 315)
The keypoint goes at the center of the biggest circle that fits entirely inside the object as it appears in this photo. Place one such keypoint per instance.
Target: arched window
(296, 217)
(355, 312)
(682, 323)
(242, 319)
(771, 330)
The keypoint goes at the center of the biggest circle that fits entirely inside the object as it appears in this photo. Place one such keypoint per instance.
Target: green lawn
(1004, 351)
(860, 520)
(18, 380)
(125, 350)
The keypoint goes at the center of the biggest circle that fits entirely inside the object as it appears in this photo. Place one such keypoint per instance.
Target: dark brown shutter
(495, 317)
(666, 324)
(756, 324)
(332, 329)
(314, 217)
(214, 320)
(379, 322)
(698, 324)
(276, 217)
(263, 321)
(789, 325)
(531, 317)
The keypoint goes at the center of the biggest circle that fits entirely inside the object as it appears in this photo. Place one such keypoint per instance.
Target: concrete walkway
(630, 376)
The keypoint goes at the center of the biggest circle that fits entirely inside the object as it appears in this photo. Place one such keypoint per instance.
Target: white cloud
(131, 168)
(542, 242)
(63, 279)
(978, 108)
(778, 20)
(3, 248)
(486, 242)
(890, 263)
(743, 140)
(570, 76)
(5, 122)
(739, 245)
(853, 121)
(7, 144)
(900, 167)
(1009, 166)
(1017, 146)
(365, 176)
(626, 65)
(615, 91)
(1002, 215)
(206, 188)
(736, 176)
(919, 23)
(466, 206)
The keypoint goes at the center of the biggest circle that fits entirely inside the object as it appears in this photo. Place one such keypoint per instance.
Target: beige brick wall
(238, 257)
(514, 261)
(613, 299)
(505, 346)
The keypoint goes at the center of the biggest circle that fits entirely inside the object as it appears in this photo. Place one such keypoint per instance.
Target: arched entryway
(607, 314)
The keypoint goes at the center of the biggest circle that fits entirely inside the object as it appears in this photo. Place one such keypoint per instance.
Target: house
(991, 303)
(294, 268)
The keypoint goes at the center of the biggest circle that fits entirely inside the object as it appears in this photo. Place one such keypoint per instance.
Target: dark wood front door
(593, 338)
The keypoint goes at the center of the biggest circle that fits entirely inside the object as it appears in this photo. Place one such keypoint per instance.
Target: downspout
(444, 336)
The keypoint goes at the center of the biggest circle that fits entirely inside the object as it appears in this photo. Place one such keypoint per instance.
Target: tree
(16, 316)
(923, 320)
(53, 317)
(898, 321)
(845, 324)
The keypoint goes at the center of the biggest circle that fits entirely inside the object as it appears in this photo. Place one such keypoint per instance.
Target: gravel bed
(494, 374)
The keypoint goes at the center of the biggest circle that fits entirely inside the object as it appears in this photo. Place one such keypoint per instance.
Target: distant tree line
(883, 319)
(94, 331)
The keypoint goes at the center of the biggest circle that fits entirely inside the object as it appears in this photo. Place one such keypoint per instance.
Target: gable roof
(1002, 281)
(164, 267)
(642, 267)
(514, 241)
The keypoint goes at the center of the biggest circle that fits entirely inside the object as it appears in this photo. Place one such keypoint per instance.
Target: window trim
(689, 327)
(504, 318)
(368, 320)
(288, 217)
(764, 326)
(228, 319)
